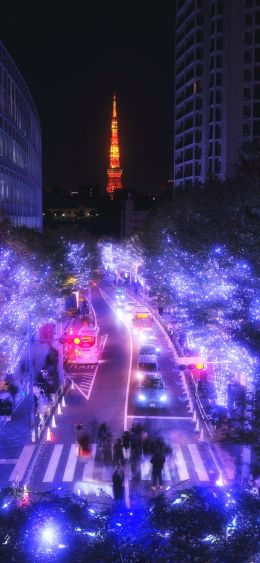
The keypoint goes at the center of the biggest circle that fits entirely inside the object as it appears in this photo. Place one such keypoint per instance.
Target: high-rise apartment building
(20, 148)
(217, 86)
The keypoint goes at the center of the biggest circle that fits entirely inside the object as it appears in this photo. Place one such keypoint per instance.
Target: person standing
(118, 457)
(157, 461)
(126, 444)
(118, 483)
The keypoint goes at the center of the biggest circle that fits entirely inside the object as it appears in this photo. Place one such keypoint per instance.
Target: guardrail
(51, 408)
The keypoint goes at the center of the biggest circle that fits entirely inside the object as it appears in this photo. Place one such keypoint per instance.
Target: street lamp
(32, 411)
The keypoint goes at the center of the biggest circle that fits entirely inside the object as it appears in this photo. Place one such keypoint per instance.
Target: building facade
(217, 86)
(20, 148)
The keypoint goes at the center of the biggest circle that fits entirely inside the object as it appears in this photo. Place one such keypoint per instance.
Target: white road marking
(198, 463)
(95, 372)
(145, 469)
(22, 463)
(180, 463)
(71, 464)
(161, 417)
(53, 464)
(89, 464)
(8, 461)
(166, 472)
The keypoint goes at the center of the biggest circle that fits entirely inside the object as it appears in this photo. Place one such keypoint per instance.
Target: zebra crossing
(61, 463)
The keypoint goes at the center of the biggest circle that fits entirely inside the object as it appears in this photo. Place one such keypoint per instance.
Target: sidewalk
(16, 433)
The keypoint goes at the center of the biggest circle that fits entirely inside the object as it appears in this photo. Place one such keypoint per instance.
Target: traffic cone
(48, 436)
(194, 418)
(197, 427)
(53, 422)
(201, 436)
(59, 409)
(72, 384)
(63, 404)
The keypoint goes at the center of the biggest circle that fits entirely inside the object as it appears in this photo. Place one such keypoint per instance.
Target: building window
(248, 20)
(218, 96)
(246, 130)
(248, 38)
(247, 75)
(219, 79)
(217, 131)
(248, 57)
(220, 25)
(257, 110)
(217, 166)
(246, 111)
(256, 129)
(219, 43)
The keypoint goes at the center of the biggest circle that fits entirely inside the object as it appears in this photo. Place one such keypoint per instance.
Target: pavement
(16, 433)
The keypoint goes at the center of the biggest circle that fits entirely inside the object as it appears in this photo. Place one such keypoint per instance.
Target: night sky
(71, 56)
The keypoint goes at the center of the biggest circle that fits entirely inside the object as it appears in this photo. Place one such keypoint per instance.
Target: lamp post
(32, 417)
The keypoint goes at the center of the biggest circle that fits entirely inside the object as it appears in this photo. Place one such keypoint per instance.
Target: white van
(146, 363)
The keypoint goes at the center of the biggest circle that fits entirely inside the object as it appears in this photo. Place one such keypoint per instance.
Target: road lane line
(89, 464)
(127, 496)
(95, 372)
(161, 417)
(53, 464)
(22, 463)
(8, 461)
(71, 464)
(180, 463)
(198, 463)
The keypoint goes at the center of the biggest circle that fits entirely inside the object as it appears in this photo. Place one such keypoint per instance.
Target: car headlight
(158, 349)
(141, 397)
(139, 375)
(163, 398)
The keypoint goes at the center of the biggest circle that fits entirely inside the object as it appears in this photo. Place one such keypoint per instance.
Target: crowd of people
(129, 448)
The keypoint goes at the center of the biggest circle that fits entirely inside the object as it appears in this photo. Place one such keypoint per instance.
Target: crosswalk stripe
(198, 463)
(89, 465)
(53, 464)
(22, 463)
(71, 464)
(107, 473)
(180, 463)
(145, 469)
(177, 465)
(166, 472)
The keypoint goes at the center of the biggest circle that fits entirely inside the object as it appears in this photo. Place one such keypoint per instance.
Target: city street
(105, 392)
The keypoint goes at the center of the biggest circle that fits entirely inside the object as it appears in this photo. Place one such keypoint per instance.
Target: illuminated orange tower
(114, 171)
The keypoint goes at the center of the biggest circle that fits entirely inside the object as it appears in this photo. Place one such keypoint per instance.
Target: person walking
(126, 445)
(157, 461)
(83, 439)
(118, 457)
(118, 483)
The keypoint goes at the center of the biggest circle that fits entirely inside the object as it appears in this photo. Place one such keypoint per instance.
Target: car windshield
(147, 367)
(148, 350)
(151, 383)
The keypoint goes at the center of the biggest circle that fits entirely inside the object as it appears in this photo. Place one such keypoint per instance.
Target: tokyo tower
(114, 171)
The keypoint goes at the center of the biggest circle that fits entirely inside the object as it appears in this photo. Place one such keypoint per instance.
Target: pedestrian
(118, 483)
(157, 461)
(83, 440)
(126, 445)
(118, 456)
